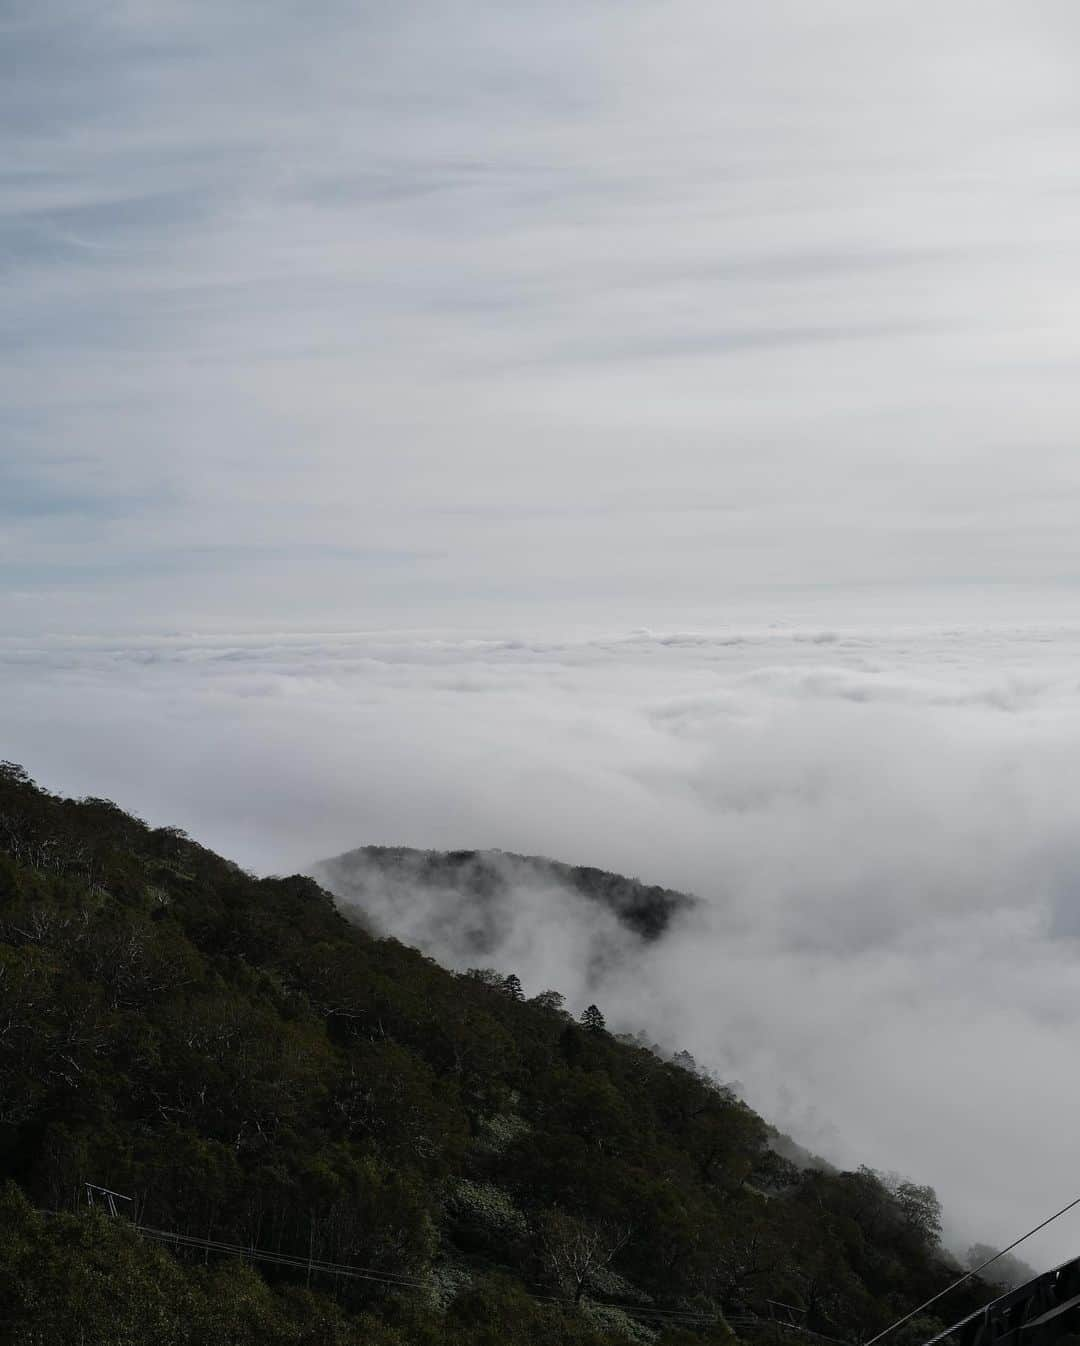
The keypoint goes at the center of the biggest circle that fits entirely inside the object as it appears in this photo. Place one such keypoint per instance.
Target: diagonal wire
(969, 1274)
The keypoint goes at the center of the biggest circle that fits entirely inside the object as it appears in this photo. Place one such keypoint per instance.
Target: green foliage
(483, 1216)
(256, 1070)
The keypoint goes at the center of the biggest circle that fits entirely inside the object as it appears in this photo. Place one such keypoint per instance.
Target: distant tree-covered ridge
(484, 879)
(255, 1070)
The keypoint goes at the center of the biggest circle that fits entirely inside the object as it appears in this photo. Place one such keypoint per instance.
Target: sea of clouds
(882, 823)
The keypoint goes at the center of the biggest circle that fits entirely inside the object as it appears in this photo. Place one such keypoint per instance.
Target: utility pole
(104, 1196)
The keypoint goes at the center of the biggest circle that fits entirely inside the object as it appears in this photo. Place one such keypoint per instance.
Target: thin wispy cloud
(277, 278)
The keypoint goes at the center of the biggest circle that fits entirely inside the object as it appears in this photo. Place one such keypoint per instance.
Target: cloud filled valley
(880, 824)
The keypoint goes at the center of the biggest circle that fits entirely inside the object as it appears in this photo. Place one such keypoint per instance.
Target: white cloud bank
(883, 824)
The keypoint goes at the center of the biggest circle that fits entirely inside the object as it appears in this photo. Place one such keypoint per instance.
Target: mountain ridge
(485, 876)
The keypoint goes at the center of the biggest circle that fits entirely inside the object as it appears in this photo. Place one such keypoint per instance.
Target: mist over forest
(876, 824)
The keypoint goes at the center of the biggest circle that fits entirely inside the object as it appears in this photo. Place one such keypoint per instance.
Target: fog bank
(881, 827)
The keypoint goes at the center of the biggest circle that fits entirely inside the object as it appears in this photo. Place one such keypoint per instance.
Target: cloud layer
(881, 823)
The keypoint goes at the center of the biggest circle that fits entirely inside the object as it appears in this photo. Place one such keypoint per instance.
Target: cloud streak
(283, 280)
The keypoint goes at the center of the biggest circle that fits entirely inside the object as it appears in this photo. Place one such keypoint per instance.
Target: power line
(393, 1279)
(279, 1259)
(969, 1274)
(688, 1316)
(399, 1281)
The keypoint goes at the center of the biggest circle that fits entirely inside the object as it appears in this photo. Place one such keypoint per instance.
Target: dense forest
(254, 1070)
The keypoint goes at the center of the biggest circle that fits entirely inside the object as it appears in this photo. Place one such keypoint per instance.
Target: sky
(636, 433)
(353, 312)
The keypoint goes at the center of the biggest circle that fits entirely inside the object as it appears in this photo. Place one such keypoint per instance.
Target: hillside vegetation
(254, 1069)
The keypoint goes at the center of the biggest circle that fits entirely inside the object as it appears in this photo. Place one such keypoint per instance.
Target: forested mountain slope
(254, 1069)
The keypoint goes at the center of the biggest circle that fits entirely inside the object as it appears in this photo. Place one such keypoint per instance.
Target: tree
(575, 1251)
(593, 1020)
(554, 1001)
(486, 976)
(686, 1062)
(746, 1259)
(512, 986)
(920, 1208)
